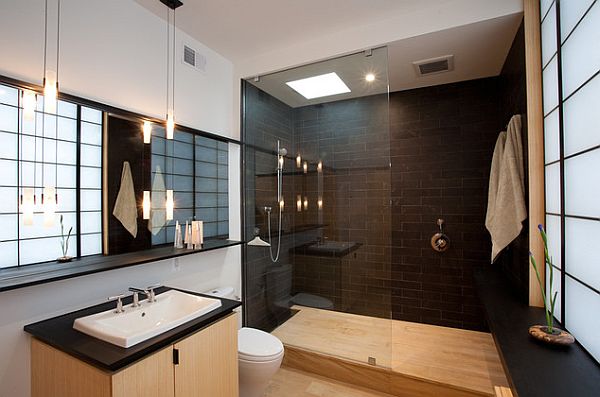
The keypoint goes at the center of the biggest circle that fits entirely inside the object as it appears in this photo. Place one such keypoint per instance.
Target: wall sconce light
(146, 204)
(29, 103)
(281, 204)
(27, 205)
(320, 166)
(298, 161)
(147, 129)
(320, 204)
(169, 205)
(299, 203)
(305, 203)
(49, 206)
(305, 167)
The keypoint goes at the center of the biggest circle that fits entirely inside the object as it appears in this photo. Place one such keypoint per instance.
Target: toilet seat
(258, 346)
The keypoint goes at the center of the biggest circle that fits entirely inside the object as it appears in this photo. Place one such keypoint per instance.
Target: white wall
(114, 52)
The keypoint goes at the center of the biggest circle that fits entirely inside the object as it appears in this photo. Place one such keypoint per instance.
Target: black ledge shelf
(534, 369)
(58, 332)
(25, 276)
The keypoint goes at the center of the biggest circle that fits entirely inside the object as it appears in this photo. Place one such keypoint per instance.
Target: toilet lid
(311, 300)
(257, 345)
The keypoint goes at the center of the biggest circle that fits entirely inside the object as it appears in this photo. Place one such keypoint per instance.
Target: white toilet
(259, 354)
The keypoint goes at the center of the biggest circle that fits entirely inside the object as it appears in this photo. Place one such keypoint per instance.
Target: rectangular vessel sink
(171, 309)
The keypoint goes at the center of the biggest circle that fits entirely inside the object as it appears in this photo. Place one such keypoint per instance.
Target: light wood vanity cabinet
(207, 366)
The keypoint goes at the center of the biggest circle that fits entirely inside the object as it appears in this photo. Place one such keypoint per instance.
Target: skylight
(319, 86)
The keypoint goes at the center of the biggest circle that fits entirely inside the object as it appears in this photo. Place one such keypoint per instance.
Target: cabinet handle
(176, 356)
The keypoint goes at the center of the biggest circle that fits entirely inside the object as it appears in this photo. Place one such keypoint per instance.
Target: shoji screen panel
(571, 58)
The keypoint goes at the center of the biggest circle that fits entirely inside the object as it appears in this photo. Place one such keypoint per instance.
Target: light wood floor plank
(461, 359)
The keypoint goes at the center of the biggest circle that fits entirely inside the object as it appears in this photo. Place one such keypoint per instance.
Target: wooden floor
(288, 382)
(463, 359)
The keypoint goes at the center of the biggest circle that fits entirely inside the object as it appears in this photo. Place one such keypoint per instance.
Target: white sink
(135, 325)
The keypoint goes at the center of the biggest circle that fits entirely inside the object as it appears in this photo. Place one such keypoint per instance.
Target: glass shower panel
(329, 290)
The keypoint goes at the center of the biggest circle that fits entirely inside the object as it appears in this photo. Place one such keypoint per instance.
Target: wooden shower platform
(411, 359)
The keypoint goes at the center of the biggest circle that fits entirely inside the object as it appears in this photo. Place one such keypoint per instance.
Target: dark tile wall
(351, 139)
(515, 259)
(442, 140)
(439, 142)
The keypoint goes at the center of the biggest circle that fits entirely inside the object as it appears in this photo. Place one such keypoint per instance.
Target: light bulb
(320, 204)
(147, 128)
(170, 125)
(170, 204)
(50, 91)
(370, 77)
(305, 203)
(298, 161)
(29, 104)
(305, 167)
(280, 161)
(281, 204)
(299, 203)
(49, 206)
(146, 204)
(27, 204)
(320, 166)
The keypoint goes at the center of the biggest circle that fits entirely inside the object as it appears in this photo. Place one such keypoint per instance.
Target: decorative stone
(558, 337)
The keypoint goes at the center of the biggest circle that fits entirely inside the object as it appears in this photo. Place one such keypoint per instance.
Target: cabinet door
(208, 364)
(151, 377)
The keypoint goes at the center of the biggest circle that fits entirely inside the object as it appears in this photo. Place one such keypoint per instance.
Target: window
(571, 84)
(196, 168)
(62, 150)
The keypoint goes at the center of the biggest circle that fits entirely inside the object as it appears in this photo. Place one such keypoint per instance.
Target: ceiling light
(319, 86)
(370, 77)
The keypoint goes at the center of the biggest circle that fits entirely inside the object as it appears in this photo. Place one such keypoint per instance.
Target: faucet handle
(151, 294)
(118, 298)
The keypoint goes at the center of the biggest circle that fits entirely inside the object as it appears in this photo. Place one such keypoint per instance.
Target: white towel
(126, 210)
(506, 201)
(158, 212)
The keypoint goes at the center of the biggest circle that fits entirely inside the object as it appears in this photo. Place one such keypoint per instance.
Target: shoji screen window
(47, 150)
(571, 76)
(196, 168)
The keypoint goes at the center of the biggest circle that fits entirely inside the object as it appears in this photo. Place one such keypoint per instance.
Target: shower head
(283, 151)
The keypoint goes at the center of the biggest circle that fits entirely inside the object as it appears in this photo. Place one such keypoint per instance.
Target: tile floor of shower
(461, 362)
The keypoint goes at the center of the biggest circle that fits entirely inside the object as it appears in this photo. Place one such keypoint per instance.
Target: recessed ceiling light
(370, 77)
(319, 86)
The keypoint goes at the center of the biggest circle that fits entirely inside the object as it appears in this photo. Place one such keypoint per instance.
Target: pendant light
(50, 75)
(147, 131)
(170, 124)
(49, 194)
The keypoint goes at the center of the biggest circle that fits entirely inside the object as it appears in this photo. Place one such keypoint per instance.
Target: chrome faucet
(151, 293)
(118, 298)
(136, 295)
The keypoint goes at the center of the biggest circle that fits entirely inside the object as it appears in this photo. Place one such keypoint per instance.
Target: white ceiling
(240, 29)
(479, 50)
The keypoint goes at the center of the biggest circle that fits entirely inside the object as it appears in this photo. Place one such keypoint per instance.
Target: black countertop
(534, 369)
(25, 276)
(59, 333)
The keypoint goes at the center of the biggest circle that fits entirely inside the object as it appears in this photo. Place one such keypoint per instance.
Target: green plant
(548, 304)
(64, 243)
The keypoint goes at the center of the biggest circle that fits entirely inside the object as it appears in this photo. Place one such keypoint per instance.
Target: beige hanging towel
(158, 212)
(506, 201)
(126, 206)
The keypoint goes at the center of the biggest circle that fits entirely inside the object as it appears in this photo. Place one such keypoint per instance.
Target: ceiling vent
(193, 58)
(437, 65)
